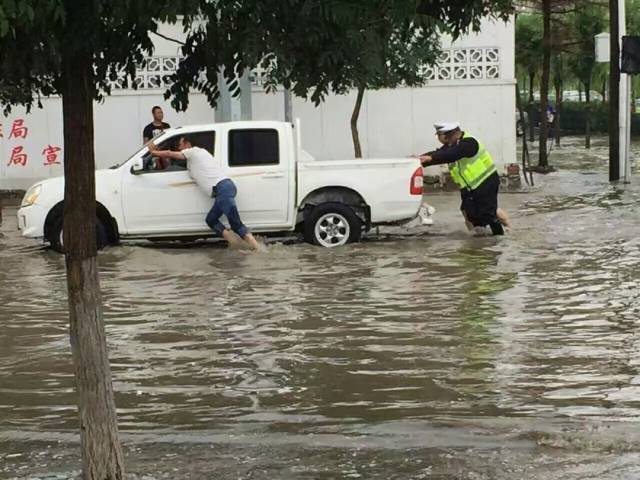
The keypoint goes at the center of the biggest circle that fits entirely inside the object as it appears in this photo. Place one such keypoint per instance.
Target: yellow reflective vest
(470, 172)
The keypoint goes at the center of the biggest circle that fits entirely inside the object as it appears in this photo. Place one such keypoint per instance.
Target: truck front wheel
(56, 241)
(332, 225)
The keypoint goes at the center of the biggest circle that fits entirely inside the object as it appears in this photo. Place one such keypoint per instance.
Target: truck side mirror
(137, 166)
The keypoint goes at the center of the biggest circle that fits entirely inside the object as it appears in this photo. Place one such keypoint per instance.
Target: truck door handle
(273, 175)
(181, 184)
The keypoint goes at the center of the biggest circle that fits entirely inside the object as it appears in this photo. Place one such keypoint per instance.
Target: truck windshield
(156, 140)
(113, 167)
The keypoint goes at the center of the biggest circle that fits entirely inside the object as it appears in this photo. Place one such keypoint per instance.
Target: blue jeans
(225, 204)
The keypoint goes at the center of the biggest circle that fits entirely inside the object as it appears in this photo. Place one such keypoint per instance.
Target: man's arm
(153, 148)
(168, 154)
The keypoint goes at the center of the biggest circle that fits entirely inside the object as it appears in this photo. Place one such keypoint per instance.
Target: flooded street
(428, 354)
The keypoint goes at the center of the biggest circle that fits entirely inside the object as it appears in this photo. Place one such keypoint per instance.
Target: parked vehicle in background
(577, 96)
(571, 96)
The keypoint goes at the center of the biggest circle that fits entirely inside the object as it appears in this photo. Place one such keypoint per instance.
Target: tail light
(417, 182)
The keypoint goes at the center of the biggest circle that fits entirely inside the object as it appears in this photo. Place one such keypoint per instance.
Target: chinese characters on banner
(18, 129)
(51, 155)
(19, 156)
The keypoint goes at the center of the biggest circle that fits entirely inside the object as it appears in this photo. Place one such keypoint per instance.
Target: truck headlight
(31, 196)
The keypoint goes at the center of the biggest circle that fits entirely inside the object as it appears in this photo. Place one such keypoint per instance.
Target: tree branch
(179, 42)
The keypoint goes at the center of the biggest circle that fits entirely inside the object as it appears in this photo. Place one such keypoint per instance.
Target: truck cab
(260, 160)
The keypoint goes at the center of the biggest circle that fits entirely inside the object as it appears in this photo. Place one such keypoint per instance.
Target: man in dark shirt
(154, 129)
(473, 170)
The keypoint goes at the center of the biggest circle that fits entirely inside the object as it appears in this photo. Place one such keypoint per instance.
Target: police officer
(472, 169)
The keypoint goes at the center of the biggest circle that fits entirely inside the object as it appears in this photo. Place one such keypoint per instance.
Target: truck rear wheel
(332, 225)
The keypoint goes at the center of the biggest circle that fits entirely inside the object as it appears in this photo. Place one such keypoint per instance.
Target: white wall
(399, 122)
(118, 133)
(392, 122)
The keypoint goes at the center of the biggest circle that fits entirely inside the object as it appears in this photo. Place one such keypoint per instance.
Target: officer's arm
(430, 153)
(465, 148)
(427, 157)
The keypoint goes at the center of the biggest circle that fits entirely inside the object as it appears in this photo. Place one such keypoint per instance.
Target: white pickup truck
(281, 188)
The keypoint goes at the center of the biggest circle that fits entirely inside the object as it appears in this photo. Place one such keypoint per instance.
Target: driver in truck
(210, 177)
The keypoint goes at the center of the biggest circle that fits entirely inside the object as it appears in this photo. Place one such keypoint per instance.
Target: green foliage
(460, 16)
(309, 46)
(529, 42)
(560, 72)
(633, 17)
(586, 23)
(36, 34)
(633, 28)
(315, 48)
(574, 116)
(574, 26)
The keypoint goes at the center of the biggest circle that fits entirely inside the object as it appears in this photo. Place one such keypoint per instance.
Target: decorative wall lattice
(466, 64)
(257, 77)
(154, 72)
(454, 64)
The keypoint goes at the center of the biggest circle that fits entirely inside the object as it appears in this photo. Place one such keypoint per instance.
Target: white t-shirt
(205, 170)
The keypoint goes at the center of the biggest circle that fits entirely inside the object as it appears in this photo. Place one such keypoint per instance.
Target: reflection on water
(408, 356)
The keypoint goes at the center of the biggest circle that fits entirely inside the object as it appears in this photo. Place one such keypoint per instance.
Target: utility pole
(625, 101)
(619, 104)
(543, 160)
(624, 126)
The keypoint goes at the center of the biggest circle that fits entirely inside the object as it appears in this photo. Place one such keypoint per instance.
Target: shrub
(573, 117)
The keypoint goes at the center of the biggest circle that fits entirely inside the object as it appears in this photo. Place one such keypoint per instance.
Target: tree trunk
(604, 91)
(579, 93)
(288, 106)
(101, 452)
(532, 78)
(532, 112)
(525, 148)
(587, 116)
(354, 123)
(543, 161)
(556, 120)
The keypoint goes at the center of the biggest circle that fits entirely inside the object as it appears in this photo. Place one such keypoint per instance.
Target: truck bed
(383, 183)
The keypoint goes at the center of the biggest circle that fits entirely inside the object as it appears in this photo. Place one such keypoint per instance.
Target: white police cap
(446, 127)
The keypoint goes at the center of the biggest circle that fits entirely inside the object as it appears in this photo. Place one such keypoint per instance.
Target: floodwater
(424, 354)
